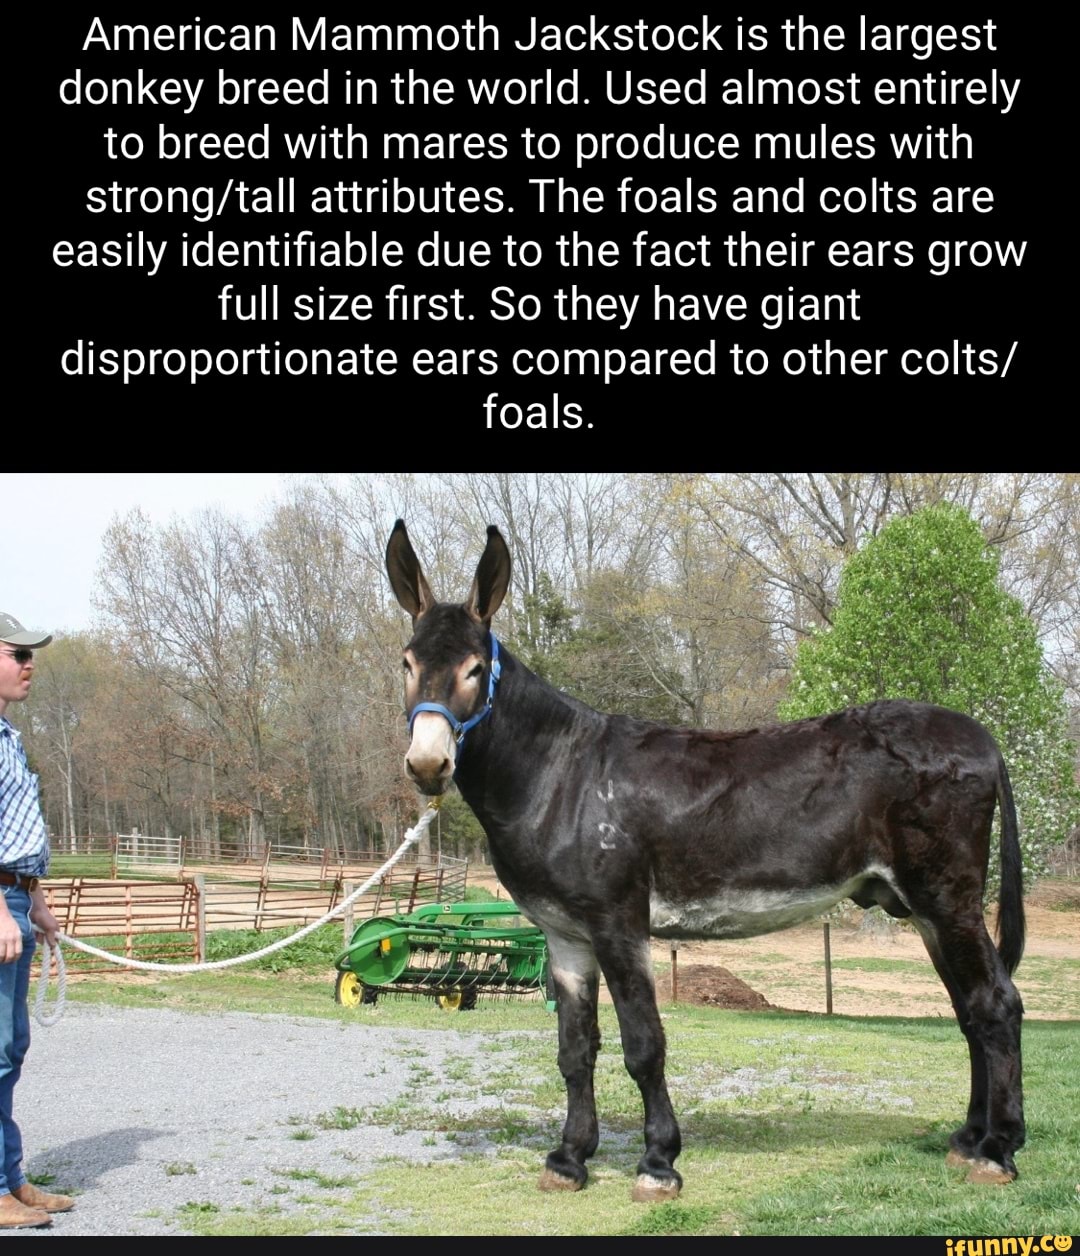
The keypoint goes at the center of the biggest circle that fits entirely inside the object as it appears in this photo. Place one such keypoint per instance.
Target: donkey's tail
(1010, 923)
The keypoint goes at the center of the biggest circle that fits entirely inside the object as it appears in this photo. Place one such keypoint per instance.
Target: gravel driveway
(141, 1112)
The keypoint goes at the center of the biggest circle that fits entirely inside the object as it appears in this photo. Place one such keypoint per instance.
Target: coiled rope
(47, 951)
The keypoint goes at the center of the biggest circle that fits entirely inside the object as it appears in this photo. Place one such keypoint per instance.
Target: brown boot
(16, 1216)
(32, 1197)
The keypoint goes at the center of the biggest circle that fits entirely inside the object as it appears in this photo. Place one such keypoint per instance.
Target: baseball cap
(13, 633)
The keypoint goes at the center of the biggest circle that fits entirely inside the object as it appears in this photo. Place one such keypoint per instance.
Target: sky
(54, 524)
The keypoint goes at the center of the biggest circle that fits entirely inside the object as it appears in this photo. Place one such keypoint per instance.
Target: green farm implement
(452, 952)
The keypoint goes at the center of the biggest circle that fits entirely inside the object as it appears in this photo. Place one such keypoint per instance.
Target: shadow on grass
(785, 1130)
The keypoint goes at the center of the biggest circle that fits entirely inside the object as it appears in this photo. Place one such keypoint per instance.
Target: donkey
(607, 829)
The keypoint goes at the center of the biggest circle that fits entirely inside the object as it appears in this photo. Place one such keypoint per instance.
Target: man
(24, 857)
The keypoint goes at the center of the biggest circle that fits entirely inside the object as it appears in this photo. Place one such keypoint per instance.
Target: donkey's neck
(531, 725)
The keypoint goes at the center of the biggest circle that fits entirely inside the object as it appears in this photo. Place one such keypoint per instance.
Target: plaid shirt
(24, 844)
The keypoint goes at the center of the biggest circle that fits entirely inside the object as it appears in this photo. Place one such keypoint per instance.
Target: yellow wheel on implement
(457, 1000)
(349, 990)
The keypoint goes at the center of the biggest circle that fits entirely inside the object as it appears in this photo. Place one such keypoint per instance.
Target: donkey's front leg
(628, 972)
(576, 975)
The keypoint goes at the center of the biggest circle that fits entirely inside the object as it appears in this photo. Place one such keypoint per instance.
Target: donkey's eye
(475, 671)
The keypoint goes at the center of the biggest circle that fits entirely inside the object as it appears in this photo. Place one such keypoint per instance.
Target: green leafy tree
(459, 832)
(920, 615)
(544, 625)
(586, 653)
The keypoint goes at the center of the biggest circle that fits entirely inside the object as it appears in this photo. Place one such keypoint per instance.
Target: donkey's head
(448, 662)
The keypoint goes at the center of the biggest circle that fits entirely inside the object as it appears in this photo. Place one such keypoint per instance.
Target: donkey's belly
(743, 913)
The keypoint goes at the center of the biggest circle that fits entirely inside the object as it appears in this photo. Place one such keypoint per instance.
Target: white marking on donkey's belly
(732, 913)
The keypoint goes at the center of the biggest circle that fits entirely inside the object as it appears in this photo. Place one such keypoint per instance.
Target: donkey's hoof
(982, 1171)
(653, 1190)
(552, 1181)
(989, 1173)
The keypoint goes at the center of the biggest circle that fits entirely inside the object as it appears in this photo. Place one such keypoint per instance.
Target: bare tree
(189, 601)
(691, 612)
(798, 529)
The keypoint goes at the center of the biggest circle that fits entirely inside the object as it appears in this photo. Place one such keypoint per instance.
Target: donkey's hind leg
(989, 1010)
(576, 977)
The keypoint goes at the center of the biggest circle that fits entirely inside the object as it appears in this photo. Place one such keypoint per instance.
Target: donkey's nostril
(444, 769)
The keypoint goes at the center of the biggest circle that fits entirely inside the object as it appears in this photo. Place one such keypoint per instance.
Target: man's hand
(41, 918)
(10, 936)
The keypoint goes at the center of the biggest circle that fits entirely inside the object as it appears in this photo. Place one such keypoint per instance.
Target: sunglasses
(22, 657)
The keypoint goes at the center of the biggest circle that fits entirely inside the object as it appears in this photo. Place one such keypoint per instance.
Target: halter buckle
(459, 729)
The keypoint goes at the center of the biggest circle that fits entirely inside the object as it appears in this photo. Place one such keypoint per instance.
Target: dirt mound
(713, 986)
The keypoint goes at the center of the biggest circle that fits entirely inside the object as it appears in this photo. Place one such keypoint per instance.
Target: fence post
(73, 905)
(264, 885)
(674, 972)
(200, 916)
(129, 936)
(260, 903)
(347, 915)
(828, 972)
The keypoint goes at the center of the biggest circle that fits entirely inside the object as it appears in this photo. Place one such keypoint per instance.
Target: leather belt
(16, 878)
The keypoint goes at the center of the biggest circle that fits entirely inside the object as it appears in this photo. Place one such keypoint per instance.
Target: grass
(318, 949)
(257, 987)
(874, 964)
(318, 1179)
(1068, 904)
(98, 866)
(341, 1119)
(793, 1124)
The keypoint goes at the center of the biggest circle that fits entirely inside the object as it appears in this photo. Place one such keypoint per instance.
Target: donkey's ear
(406, 578)
(492, 578)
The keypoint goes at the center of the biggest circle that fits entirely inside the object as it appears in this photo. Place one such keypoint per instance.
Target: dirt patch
(1053, 908)
(713, 986)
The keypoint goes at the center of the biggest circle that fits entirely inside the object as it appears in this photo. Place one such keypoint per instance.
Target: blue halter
(459, 728)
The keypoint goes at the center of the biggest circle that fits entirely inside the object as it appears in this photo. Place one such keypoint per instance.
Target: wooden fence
(167, 921)
(138, 854)
(163, 918)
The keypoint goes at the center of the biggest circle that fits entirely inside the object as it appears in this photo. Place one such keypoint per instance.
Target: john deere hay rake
(452, 952)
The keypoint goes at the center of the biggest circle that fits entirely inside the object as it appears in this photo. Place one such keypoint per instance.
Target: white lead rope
(410, 839)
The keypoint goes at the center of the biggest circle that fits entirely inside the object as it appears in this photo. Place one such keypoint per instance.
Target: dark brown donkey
(607, 830)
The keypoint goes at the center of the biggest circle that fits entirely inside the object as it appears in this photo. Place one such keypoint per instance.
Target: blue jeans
(14, 1036)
